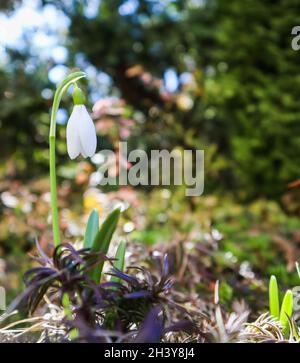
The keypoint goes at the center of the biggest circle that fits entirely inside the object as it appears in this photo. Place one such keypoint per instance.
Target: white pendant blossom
(81, 133)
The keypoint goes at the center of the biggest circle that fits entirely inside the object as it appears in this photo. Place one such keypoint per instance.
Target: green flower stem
(61, 88)
(53, 189)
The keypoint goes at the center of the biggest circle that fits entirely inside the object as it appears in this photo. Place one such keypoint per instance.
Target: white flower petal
(73, 141)
(87, 133)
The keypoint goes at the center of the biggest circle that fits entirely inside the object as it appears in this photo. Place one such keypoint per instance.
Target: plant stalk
(53, 190)
(61, 88)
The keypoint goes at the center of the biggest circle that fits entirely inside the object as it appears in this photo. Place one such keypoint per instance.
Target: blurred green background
(215, 75)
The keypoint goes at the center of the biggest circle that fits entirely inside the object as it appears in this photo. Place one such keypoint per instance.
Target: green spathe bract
(91, 229)
(273, 297)
(60, 90)
(102, 240)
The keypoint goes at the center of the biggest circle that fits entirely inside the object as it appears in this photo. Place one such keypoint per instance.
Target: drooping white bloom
(81, 133)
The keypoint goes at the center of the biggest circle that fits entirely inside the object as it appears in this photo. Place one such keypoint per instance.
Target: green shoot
(286, 310)
(273, 297)
(91, 229)
(102, 240)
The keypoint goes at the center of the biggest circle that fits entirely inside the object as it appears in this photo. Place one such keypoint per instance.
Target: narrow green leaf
(91, 229)
(120, 259)
(286, 310)
(273, 297)
(102, 240)
(298, 269)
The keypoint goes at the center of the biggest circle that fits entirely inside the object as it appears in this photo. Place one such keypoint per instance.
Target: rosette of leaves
(67, 272)
(132, 307)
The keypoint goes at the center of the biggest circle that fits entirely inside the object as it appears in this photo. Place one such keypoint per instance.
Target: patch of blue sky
(99, 82)
(171, 80)
(57, 73)
(59, 54)
(91, 10)
(129, 7)
(185, 78)
(62, 116)
(41, 30)
(44, 25)
(81, 61)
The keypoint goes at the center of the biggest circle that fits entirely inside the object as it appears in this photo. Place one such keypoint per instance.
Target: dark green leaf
(91, 229)
(103, 239)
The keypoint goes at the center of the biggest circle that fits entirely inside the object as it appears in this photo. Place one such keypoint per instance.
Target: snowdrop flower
(81, 133)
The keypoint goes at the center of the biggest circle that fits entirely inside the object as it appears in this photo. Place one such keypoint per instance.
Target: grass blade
(92, 229)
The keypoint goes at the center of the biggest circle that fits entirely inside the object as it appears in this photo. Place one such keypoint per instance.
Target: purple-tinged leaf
(152, 328)
(137, 294)
(123, 276)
